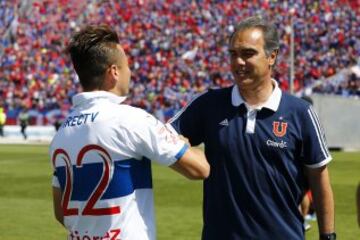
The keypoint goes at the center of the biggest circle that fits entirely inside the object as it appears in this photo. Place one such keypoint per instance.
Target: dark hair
(271, 36)
(93, 49)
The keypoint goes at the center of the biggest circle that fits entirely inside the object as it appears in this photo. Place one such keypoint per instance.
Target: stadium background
(176, 50)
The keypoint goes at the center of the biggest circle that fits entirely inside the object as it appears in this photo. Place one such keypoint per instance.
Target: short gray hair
(271, 36)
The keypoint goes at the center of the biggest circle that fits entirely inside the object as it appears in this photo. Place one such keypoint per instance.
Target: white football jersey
(101, 158)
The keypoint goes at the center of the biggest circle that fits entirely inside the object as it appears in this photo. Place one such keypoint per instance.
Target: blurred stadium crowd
(176, 49)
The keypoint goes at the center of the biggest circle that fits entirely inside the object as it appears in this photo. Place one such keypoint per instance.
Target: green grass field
(26, 205)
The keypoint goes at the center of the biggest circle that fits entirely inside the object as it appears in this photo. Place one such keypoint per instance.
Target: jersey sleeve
(152, 139)
(188, 121)
(315, 150)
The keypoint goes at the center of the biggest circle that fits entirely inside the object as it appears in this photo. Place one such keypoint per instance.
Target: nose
(239, 60)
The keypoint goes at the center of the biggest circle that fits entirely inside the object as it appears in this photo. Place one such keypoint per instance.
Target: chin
(244, 81)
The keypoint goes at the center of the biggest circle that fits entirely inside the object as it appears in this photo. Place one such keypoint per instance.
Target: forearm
(358, 204)
(58, 212)
(324, 205)
(193, 164)
(323, 199)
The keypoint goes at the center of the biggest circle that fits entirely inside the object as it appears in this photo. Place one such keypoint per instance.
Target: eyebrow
(242, 50)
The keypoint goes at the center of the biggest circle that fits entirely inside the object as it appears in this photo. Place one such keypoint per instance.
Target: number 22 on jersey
(100, 189)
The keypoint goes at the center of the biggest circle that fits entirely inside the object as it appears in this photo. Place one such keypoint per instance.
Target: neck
(257, 95)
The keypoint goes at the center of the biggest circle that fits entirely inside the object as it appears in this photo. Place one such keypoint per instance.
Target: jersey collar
(85, 97)
(272, 103)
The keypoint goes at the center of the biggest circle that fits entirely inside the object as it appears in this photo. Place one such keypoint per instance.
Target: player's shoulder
(135, 118)
(293, 102)
(220, 92)
(123, 110)
(131, 111)
(212, 95)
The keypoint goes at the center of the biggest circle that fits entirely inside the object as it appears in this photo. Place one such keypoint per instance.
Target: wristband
(328, 236)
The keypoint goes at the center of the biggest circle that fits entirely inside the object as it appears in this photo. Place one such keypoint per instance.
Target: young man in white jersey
(102, 186)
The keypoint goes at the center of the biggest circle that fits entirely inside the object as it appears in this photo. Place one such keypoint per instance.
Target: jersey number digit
(99, 190)
(68, 183)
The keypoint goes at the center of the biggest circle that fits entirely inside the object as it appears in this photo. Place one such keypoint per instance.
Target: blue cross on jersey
(257, 158)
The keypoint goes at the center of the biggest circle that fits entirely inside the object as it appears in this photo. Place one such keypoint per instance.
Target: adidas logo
(224, 122)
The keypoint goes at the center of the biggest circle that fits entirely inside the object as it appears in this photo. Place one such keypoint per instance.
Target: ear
(111, 77)
(272, 57)
(114, 71)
